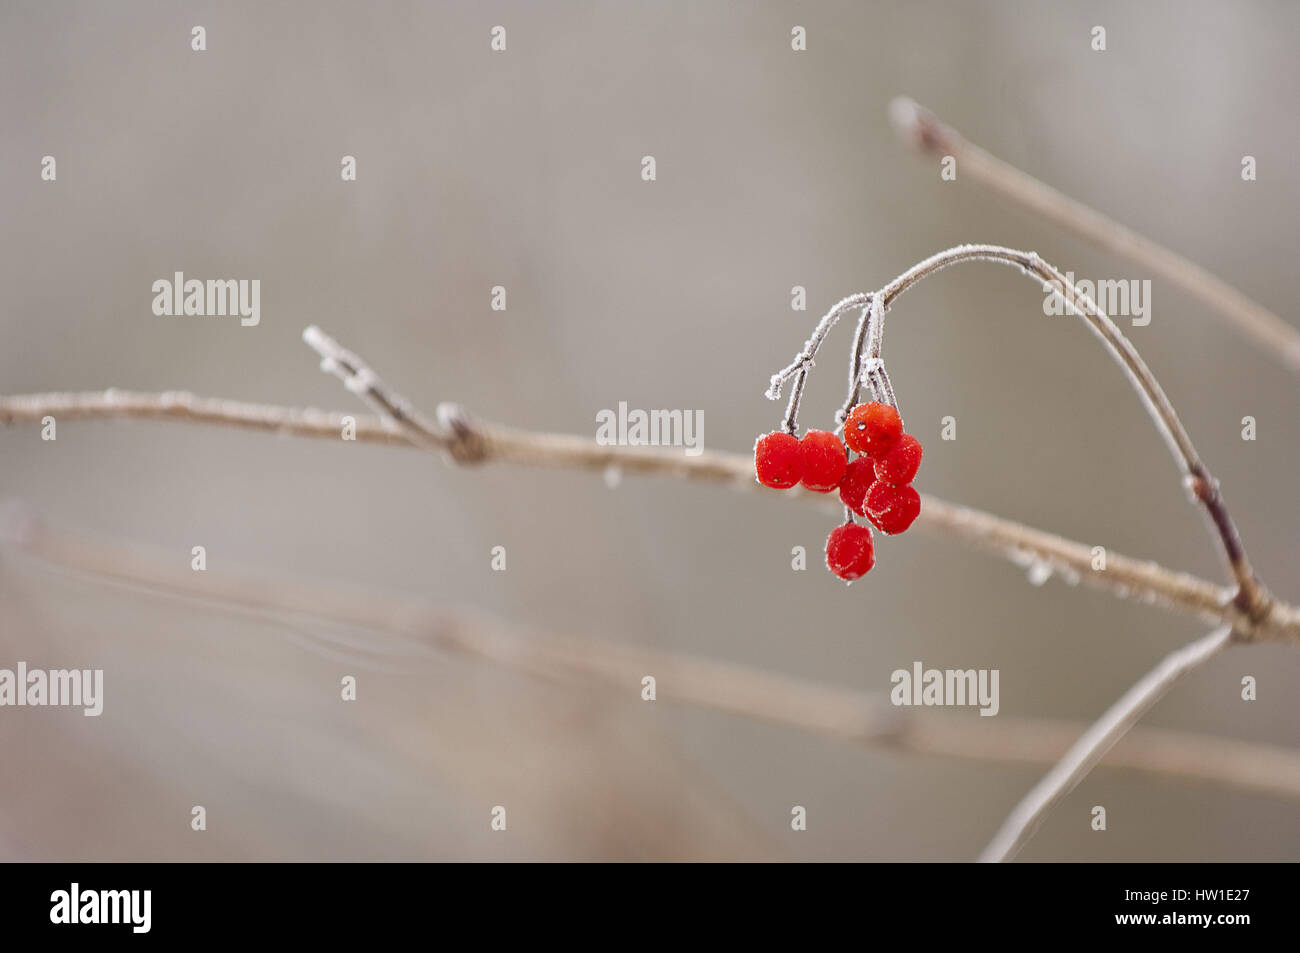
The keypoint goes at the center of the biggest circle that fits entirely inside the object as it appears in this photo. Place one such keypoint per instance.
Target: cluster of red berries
(876, 485)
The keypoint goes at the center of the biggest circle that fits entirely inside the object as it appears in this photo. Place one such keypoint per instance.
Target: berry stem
(886, 390)
(855, 370)
(875, 342)
(876, 326)
(791, 422)
(803, 360)
(866, 365)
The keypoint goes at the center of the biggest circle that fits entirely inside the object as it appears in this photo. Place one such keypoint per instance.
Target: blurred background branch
(923, 131)
(855, 717)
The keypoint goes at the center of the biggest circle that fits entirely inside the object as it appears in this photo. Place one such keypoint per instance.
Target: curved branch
(1252, 598)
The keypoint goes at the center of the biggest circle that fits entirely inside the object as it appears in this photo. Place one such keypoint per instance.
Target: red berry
(900, 464)
(871, 429)
(849, 552)
(824, 460)
(777, 460)
(858, 477)
(891, 508)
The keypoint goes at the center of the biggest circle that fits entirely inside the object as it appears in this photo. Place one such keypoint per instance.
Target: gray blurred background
(522, 169)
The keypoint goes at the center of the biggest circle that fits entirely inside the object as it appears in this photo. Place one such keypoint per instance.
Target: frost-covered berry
(849, 551)
(858, 477)
(871, 429)
(778, 460)
(824, 459)
(900, 464)
(891, 508)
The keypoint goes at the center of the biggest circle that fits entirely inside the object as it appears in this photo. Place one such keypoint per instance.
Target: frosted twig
(920, 129)
(884, 389)
(790, 423)
(876, 326)
(874, 363)
(357, 377)
(855, 717)
(865, 363)
(804, 359)
(855, 369)
(1093, 744)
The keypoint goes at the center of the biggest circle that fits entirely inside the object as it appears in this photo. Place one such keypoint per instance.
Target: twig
(804, 359)
(865, 364)
(1092, 746)
(861, 718)
(855, 369)
(475, 440)
(922, 130)
(357, 377)
(790, 423)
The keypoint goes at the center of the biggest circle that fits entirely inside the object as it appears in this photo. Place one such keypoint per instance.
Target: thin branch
(804, 358)
(803, 361)
(884, 389)
(866, 719)
(854, 392)
(1092, 746)
(922, 130)
(865, 364)
(357, 377)
(474, 440)
(790, 423)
